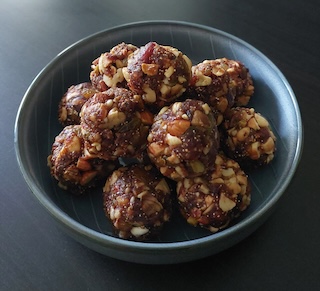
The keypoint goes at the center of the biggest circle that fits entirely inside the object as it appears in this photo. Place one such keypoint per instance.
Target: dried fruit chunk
(247, 137)
(183, 140)
(137, 200)
(213, 200)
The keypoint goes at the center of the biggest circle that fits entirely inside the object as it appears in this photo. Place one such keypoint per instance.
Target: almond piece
(178, 127)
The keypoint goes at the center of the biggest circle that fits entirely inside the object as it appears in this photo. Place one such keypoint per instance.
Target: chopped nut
(83, 165)
(254, 150)
(243, 133)
(261, 120)
(168, 72)
(173, 140)
(197, 167)
(203, 80)
(74, 145)
(228, 172)
(178, 127)
(206, 108)
(150, 204)
(268, 146)
(156, 149)
(200, 119)
(139, 231)
(163, 186)
(150, 95)
(150, 69)
(165, 89)
(252, 123)
(225, 203)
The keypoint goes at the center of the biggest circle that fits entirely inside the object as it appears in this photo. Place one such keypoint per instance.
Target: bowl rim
(107, 240)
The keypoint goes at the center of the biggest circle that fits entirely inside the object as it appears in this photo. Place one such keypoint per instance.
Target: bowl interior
(37, 122)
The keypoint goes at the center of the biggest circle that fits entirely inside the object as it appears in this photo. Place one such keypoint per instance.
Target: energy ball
(247, 137)
(158, 73)
(240, 81)
(183, 140)
(72, 102)
(107, 69)
(137, 200)
(212, 201)
(209, 83)
(70, 168)
(115, 124)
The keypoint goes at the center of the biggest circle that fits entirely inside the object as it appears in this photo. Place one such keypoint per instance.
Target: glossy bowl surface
(83, 218)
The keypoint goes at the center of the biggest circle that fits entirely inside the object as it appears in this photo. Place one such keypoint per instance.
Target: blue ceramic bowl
(83, 217)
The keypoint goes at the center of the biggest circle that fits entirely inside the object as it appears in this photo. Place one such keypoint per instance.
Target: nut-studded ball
(115, 124)
(212, 201)
(107, 69)
(158, 73)
(240, 80)
(183, 140)
(221, 83)
(137, 200)
(68, 165)
(247, 137)
(72, 102)
(209, 83)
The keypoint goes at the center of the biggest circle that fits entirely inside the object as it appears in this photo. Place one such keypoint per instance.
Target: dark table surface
(283, 254)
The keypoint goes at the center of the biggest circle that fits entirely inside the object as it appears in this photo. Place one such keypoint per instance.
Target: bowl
(83, 217)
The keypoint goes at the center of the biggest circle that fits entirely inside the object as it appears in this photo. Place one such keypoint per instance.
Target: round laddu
(183, 140)
(210, 84)
(115, 124)
(137, 200)
(72, 102)
(212, 201)
(106, 70)
(68, 165)
(247, 137)
(222, 83)
(160, 74)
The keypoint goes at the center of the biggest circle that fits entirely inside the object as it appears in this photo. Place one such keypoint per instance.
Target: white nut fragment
(74, 145)
(188, 61)
(228, 172)
(150, 95)
(115, 117)
(243, 133)
(150, 69)
(165, 89)
(197, 167)
(173, 140)
(126, 74)
(163, 186)
(252, 123)
(268, 146)
(182, 79)
(139, 231)
(176, 106)
(261, 120)
(168, 72)
(206, 108)
(203, 80)
(112, 81)
(225, 203)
